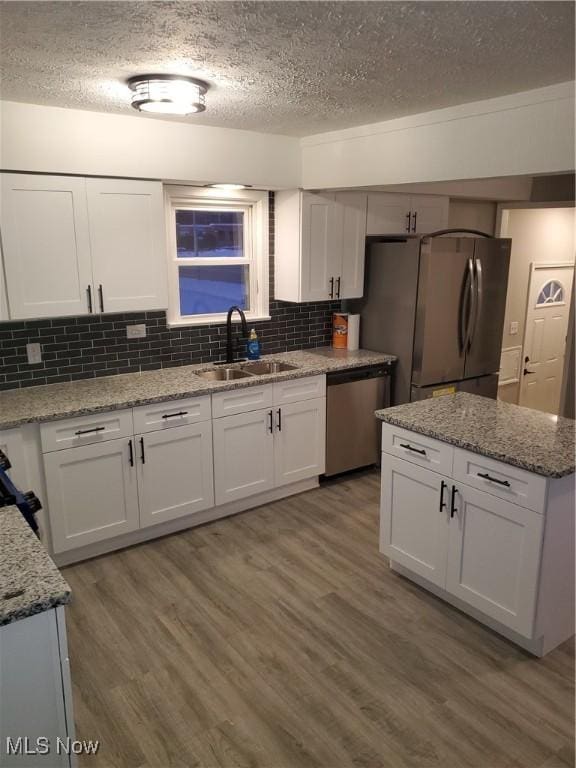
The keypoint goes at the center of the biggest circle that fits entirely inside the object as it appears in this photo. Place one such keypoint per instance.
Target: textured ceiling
(286, 67)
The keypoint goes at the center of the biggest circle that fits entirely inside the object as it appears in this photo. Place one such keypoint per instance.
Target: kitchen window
(218, 254)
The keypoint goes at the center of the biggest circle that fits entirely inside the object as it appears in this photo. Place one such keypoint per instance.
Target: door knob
(528, 373)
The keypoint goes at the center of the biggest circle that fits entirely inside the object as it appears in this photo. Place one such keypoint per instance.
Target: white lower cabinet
(494, 557)
(92, 493)
(36, 693)
(175, 476)
(243, 455)
(414, 529)
(260, 450)
(299, 441)
(503, 562)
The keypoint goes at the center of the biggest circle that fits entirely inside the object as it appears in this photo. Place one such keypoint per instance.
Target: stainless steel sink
(222, 374)
(263, 367)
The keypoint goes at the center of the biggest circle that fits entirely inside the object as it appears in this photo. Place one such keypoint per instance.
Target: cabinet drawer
(241, 400)
(419, 449)
(172, 413)
(509, 483)
(84, 430)
(307, 388)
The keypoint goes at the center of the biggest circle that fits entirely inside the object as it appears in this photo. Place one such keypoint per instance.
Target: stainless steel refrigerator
(437, 302)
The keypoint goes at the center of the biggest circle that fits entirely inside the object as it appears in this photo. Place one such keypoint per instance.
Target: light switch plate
(34, 352)
(136, 331)
(513, 328)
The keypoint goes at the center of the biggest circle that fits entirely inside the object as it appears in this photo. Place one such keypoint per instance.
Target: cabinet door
(300, 441)
(92, 493)
(32, 691)
(494, 557)
(387, 213)
(351, 212)
(413, 527)
(175, 476)
(429, 213)
(243, 455)
(320, 248)
(127, 234)
(46, 245)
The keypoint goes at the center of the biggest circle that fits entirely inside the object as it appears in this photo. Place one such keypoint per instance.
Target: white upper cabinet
(387, 213)
(320, 241)
(75, 246)
(394, 214)
(46, 245)
(128, 244)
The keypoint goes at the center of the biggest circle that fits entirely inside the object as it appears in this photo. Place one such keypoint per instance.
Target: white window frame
(254, 205)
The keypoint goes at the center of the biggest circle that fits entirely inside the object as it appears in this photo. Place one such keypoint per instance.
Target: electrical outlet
(34, 352)
(136, 331)
(513, 328)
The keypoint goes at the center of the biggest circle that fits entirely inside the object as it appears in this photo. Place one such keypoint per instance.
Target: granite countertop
(30, 583)
(59, 401)
(532, 440)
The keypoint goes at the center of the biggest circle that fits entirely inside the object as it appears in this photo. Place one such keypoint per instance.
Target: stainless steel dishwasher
(352, 431)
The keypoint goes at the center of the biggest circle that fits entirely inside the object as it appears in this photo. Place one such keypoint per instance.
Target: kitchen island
(477, 506)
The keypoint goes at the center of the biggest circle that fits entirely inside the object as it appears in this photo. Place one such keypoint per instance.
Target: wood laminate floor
(279, 638)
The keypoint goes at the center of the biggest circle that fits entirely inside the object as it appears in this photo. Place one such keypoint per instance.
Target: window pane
(209, 233)
(205, 290)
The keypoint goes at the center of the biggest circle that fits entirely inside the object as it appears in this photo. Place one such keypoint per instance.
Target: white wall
(54, 140)
(472, 214)
(522, 134)
(538, 235)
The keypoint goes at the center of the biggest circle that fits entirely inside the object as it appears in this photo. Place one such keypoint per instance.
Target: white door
(300, 441)
(351, 215)
(46, 245)
(494, 557)
(429, 213)
(127, 234)
(320, 248)
(175, 476)
(92, 493)
(413, 521)
(549, 296)
(243, 455)
(387, 213)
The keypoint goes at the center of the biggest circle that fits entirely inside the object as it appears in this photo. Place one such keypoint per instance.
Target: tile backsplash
(96, 345)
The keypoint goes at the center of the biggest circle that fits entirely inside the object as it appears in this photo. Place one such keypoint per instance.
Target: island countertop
(532, 440)
(30, 583)
(51, 402)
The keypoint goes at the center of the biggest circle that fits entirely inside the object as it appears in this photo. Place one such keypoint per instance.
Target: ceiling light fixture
(229, 187)
(167, 94)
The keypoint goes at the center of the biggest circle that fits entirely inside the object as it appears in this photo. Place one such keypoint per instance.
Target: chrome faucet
(229, 347)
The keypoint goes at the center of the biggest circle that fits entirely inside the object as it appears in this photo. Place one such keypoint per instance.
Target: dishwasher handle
(356, 374)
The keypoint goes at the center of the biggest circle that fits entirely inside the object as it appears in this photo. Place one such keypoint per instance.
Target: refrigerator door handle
(465, 320)
(479, 295)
